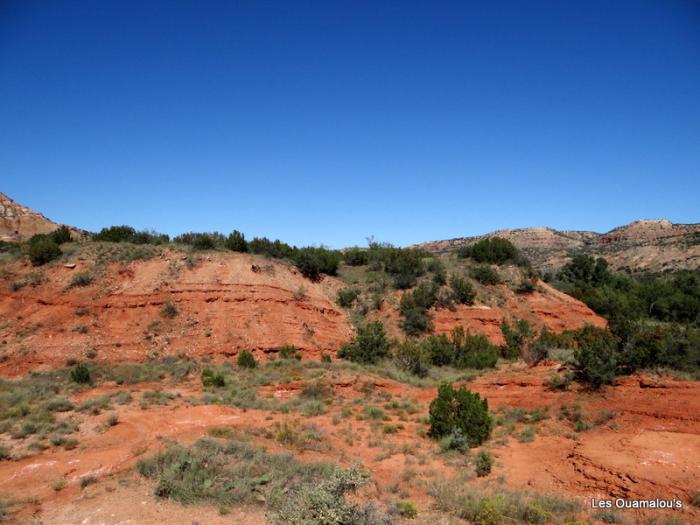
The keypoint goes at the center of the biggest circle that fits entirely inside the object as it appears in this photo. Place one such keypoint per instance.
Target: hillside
(158, 329)
(645, 245)
(225, 303)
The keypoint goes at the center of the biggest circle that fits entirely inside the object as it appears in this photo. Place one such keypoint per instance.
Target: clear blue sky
(328, 121)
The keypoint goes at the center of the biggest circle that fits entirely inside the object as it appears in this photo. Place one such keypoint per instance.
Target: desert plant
(213, 378)
(407, 510)
(81, 279)
(485, 274)
(80, 374)
(483, 462)
(462, 290)
(246, 360)
(60, 235)
(43, 249)
(595, 359)
(236, 242)
(414, 306)
(460, 409)
(312, 262)
(289, 352)
(355, 256)
(369, 345)
(494, 250)
(346, 297)
(169, 310)
(517, 337)
(412, 357)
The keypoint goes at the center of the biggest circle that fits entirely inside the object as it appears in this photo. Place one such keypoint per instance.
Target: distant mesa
(644, 245)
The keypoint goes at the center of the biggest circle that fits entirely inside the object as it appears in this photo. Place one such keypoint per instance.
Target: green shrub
(246, 360)
(414, 306)
(440, 349)
(494, 250)
(473, 351)
(355, 256)
(369, 345)
(413, 358)
(460, 409)
(462, 290)
(129, 234)
(346, 297)
(236, 242)
(275, 249)
(435, 266)
(202, 240)
(312, 262)
(558, 381)
(455, 440)
(80, 374)
(517, 337)
(483, 462)
(595, 359)
(169, 310)
(81, 279)
(289, 352)
(485, 274)
(61, 235)
(407, 510)
(212, 378)
(43, 249)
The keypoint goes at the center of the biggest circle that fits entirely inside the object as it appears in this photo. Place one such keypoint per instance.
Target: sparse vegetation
(235, 473)
(127, 234)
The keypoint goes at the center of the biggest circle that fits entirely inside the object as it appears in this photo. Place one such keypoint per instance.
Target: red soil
(652, 449)
(225, 302)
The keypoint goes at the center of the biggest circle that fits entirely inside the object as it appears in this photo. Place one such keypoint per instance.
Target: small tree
(369, 345)
(43, 249)
(60, 235)
(412, 357)
(236, 242)
(485, 274)
(246, 360)
(460, 409)
(462, 290)
(517, 337)
(595, 359)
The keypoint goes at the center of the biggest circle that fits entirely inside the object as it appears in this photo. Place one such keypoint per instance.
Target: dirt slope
(649, 449)
(225, 303)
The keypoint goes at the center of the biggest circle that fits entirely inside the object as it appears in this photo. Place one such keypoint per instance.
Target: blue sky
(327, 122)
